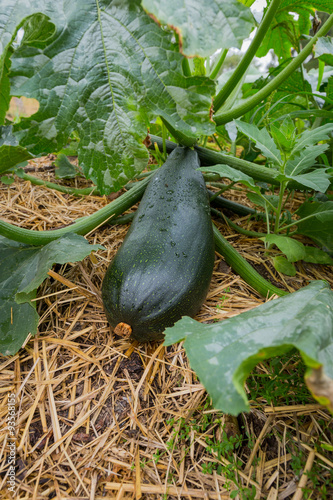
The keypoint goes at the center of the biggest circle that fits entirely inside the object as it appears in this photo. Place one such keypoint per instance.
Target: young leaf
(305, 159)
(316, 222)
(282, 265)
(319, 180)
(116, 70)
(22, 269)
(232, 174)
(317, 256)
(293, 249)
(198, 23)
(64, 168)
(310, 137)
(280, 139)
(287, 128)
(7, 180)
(262, 139)
(224, 353)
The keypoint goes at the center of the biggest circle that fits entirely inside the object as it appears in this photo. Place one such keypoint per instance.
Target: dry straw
(103, 418)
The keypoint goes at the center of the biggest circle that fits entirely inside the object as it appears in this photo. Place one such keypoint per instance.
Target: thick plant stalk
(210, 157)
(83, 226)
(254, 100)
(248, 56)
(243, 268)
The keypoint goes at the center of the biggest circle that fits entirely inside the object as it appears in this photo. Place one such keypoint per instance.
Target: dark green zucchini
(163, 268)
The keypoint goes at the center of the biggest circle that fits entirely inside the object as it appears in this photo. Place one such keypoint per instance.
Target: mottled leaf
(107, 72)
(224, 353)
(204, 26)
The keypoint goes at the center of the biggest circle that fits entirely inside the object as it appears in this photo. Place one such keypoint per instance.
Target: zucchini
(164, 266)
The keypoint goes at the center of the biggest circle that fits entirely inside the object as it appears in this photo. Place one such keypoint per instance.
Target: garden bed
(103, 417)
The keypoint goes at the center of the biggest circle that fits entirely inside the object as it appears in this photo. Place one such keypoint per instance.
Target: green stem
(237, 228)
(218, 65)
(221, 191)
(123, 219)
(186, 67)
(243, 268)
(237, 208)
(58, 187)
(82, 226)
(248, 56)
(178, 135)
(279, 207)
(254, 100)
(295, 223)
(210, 157)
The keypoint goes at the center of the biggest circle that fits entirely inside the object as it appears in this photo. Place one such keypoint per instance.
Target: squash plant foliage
(108, 71)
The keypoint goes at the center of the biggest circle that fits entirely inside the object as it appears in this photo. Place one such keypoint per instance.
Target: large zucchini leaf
(223, 354)
(204, 26)
(104, 69)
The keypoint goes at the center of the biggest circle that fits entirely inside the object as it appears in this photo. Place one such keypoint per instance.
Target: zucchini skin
(164, 266)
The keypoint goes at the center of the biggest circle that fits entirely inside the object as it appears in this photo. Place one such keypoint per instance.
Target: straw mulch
(100, 417)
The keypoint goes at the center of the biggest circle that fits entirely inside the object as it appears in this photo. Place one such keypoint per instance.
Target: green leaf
(4, 83)
(231, 173)
(264, 200)
(262, 139)
(35, 33)
(294, 250)
(319, 180)
(7, 180)
(323, 5)
(282, 265)
(324, 50)
(317, 256)
(22, 269)
(280, 139)
(286, 30)
(310, 137)
(10, 152)
(224, 353)
(108, 71)
(64, 168)
(316, 222)
(198, 23)
(278, 36)
(296, 164)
